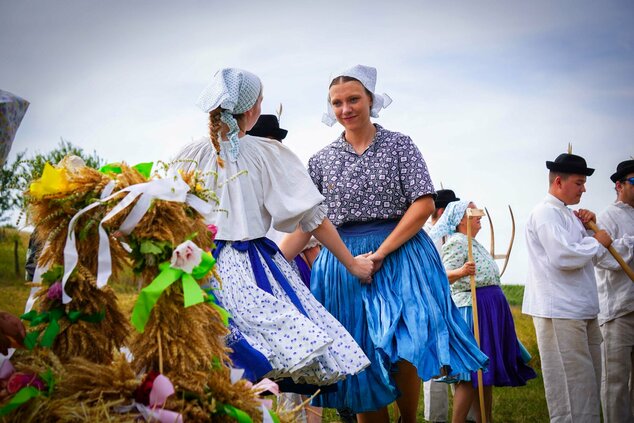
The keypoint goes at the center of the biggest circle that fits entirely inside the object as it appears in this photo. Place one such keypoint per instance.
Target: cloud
(488, 90)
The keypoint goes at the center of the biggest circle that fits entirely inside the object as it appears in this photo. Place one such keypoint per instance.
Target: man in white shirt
(561, 294)
(616, 301)
(435, 393)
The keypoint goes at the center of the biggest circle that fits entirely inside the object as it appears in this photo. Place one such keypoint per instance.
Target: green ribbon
(52, 330)
(144, 169)
(213, 302)
(236, 413)
(22, 397)
(192, 292)
(274, 416)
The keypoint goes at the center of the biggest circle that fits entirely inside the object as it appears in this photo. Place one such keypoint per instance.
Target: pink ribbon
(162, 388)
(263, 386)
(6, 369)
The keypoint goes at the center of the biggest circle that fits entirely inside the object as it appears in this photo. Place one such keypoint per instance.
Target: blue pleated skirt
(498, 340)
(406, 313)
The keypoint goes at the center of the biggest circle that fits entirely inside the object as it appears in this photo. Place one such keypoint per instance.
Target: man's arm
(624, 245)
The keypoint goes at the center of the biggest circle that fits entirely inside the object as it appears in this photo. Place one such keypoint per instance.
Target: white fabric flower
(186, 256)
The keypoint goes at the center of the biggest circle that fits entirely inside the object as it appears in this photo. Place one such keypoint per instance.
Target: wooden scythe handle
(474, 307)
(626, 268)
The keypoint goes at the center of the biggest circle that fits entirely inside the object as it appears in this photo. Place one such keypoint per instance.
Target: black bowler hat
(623, 169)
(267, 126)
(570, 163)
(444, 197)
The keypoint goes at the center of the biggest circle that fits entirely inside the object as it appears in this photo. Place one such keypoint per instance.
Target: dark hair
(341, 79)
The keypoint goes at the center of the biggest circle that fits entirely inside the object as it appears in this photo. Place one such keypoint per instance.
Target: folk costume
(498, 339)
(616, 305)
(561, 295)
(406, 313)
(278, 329)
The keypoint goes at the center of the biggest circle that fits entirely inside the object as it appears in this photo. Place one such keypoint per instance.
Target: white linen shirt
(268, 186)
(560, 281)
(616, 290)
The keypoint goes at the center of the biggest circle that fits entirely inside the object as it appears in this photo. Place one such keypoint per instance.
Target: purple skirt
(497, 340)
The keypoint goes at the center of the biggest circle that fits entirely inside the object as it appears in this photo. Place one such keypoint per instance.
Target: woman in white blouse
(278, 329)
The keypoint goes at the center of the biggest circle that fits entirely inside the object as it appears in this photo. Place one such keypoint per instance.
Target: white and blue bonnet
(451, 217)
(367, 76)
(235, 91)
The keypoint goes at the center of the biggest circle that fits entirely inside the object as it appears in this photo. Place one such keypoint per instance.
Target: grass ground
(525, 404)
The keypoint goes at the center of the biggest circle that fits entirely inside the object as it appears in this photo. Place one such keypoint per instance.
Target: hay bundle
(186, 344)
(51, 213)
(54, 200)
(189, 341)
(94, 341)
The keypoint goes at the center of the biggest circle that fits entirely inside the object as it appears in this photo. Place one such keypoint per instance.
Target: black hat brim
(569, 168)
(276, 133)
(621, 173)
(280, 134)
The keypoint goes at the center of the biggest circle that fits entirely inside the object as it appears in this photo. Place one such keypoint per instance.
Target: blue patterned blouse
(381, 183)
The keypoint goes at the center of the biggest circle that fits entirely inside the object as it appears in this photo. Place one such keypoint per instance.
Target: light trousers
(436, 401)
(617, 354)
(570, 352)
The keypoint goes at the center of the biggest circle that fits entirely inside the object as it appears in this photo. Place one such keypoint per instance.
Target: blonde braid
(215, 125)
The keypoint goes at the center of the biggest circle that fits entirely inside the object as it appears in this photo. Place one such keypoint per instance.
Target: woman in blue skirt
(379, 194)
(497, 331)
(278, 329)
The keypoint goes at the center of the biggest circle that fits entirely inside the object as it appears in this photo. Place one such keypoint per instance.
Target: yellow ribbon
(53, 181)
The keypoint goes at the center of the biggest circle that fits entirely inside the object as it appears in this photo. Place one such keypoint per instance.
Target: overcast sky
(488, 90)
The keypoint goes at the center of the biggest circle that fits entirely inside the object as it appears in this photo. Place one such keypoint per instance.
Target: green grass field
(525, 404)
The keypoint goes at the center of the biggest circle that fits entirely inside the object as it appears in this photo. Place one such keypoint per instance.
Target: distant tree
(35, 165)
(15, 177)
(11, 197)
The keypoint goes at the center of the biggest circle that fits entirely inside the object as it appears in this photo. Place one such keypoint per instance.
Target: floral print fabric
(378, 184)
(12, 110)
(455, 253)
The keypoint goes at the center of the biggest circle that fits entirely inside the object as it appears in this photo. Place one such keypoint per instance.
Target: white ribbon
(170, 188)
(266, 415)
(107, 190)
(37, 278)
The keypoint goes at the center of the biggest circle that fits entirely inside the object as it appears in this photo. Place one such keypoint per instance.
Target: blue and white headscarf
(235, 91)
(367, 76)
(446, 225)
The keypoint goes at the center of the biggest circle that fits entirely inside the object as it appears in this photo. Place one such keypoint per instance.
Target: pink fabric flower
(54, 292)
(18, 381)
(142, 392)
(214, 231)
(151, 396)
(186, 256)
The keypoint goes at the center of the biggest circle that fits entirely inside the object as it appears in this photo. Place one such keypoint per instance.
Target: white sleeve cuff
(313, 218)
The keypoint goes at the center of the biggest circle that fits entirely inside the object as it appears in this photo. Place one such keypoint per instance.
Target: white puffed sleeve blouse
(267, 185)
